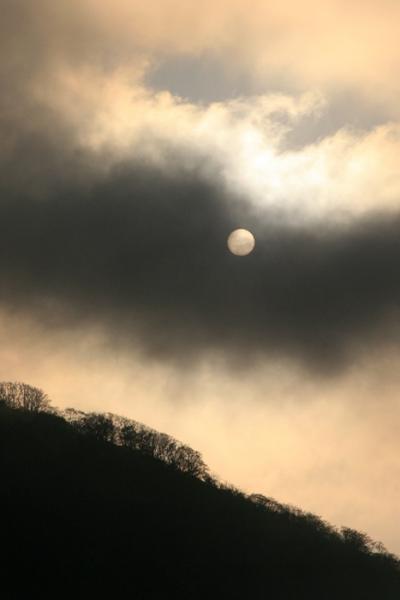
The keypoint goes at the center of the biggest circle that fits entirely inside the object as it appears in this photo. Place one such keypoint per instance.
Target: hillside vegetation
(93, 502)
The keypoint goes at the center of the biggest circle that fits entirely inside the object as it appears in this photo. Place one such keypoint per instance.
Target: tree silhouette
(97, 425)
(111, 500)
(136, 436)
(22, 395)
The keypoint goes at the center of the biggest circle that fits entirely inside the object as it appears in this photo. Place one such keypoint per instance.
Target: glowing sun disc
(241, 242)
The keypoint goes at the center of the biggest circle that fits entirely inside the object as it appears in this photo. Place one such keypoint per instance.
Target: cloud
(116, 201)
(280, 46)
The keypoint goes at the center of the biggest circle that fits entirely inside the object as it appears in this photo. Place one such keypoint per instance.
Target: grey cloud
(345, 109)
(205, 78)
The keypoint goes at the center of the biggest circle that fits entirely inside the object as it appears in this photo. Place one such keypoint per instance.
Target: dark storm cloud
(143, 253)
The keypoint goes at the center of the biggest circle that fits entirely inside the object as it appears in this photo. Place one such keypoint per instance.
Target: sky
(134, 138)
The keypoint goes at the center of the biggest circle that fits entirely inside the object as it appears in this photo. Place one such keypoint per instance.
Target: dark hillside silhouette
(93, 502)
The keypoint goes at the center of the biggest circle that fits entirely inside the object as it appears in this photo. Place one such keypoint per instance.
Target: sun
(241, 242)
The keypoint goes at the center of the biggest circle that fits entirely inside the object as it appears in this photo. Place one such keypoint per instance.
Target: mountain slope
(83, 514)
